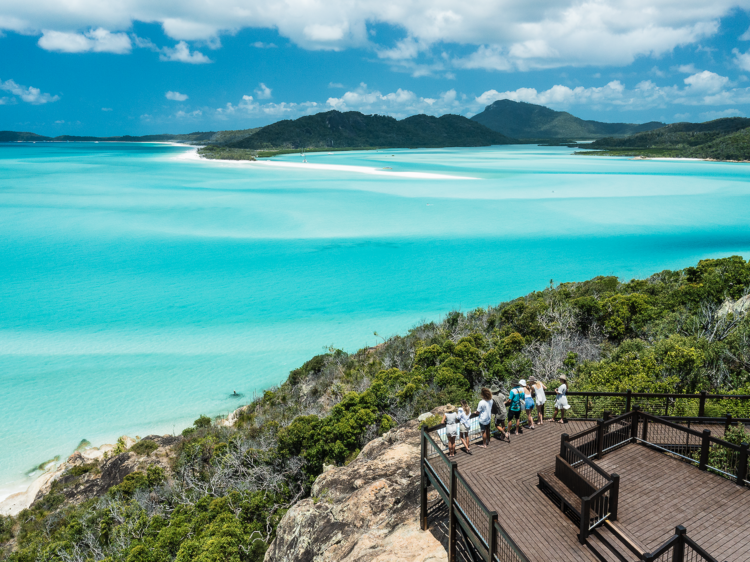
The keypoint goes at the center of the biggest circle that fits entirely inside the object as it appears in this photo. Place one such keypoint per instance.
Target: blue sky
(140, 67)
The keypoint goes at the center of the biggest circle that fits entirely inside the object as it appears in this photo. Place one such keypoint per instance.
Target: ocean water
(139, 288)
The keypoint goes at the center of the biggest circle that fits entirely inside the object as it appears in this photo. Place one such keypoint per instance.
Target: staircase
(609, 542)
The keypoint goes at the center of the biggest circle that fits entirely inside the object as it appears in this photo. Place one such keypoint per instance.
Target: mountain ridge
(523, 120)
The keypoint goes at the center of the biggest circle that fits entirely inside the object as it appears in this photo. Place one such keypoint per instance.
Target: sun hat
(563, 378)
(450, 408)
(494, 389)
(532, 378)
(517, 383)
(522, 382)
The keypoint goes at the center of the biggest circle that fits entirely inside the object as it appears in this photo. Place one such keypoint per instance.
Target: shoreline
(21, 496)
(193, 156)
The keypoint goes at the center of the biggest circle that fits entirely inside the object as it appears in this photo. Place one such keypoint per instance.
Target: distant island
(522, 120)
(725, 139)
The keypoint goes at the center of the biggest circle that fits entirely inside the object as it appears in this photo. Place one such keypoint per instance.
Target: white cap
(522, 382)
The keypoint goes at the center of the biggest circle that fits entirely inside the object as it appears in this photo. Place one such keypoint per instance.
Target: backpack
(495, 409)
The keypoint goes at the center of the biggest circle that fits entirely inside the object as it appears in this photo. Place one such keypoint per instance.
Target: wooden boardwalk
(657, 493)
(504, 476)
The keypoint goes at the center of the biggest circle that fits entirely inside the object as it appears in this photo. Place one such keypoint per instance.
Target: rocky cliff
(366, 511)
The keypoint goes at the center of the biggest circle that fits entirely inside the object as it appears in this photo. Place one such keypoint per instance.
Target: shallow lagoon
(139, 288)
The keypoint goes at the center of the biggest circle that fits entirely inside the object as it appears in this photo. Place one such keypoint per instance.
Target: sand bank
(192, 156)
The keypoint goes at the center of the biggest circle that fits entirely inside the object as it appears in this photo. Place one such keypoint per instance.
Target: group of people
(520, 403)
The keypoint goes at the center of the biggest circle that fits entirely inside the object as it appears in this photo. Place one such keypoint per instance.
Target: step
(629, 541)
(609, 547)
(564, 495)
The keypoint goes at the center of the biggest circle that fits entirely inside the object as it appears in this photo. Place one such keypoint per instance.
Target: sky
(148, 66)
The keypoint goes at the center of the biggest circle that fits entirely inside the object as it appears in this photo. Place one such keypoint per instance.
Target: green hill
(352, 129)
(721, 139)
(13, 136)
(528, 121)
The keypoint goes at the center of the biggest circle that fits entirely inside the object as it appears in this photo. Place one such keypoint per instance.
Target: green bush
(145, 447)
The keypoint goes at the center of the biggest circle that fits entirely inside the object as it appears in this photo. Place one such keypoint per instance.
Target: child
(561, 401)
(464, 415)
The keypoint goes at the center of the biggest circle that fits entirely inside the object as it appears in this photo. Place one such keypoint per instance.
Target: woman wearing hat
(540, 397)
(561, 401)
(528, 402)
(450, 419)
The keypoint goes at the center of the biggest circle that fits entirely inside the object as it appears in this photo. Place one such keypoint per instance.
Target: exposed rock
(424, 416)
(366, 511)
(740, 306)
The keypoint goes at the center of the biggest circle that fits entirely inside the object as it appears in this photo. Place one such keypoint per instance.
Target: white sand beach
(192, 156)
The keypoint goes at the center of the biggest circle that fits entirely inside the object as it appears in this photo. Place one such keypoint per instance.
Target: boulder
(366, 511)
(740, 306)
(424, 416)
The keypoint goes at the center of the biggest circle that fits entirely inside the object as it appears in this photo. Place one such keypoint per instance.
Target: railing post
(599, 438)
(606, 415)
(727, 424)
(678, 553)
(742, 468)
(705, 444)
(492, 539)
(585, 519)
(634, 425)
(614, 497)
(628, 399)
(564, 438)
(702, 405)
(423, 485)
(645, 429)
(666, 407)
(452, 522)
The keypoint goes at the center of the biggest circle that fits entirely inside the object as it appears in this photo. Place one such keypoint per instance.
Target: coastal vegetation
(228, 486)
(722, 139)
(334, 129)
(528, 121)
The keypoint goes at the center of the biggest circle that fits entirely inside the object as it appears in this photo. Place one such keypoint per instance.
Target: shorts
(529, 403)
(512, 414)
(500, 421)
(484, 426)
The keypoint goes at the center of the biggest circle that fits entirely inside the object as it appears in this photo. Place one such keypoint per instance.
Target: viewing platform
(619, 489)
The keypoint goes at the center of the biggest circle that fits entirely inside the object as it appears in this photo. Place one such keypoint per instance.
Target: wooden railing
(592, 405)
(465, 510)
(679, 548)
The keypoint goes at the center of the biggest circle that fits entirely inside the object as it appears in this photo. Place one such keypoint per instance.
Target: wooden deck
(504, 476)
(657, 493)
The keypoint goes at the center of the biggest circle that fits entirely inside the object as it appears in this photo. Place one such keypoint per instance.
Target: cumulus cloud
(97, 40)
(183, 115)
(262, 45)
(263, 92)
(175, 96)
(335, 85)
(248, 107)
(181, 53)
(514, 34)
(742, 59)
(707, 81)
(711, 115)
(28, 94)
(400, 103)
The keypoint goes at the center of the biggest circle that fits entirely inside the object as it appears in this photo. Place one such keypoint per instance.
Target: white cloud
(248, 107)
(711, 115)
(59, 122)
(29, 94)
(106, 109)
(657, 72)
(175, 96)
(513, 34)
(742, 59)
(745, 36)
(262, 45)
(181, 53)
(95, 40)
(263, 92)
(335, 85)
(707, 81)
(400, 103)
(183, 115)
(682, 116)
(686, 68)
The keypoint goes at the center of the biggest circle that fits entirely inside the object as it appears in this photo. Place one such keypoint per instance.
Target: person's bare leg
(529, 415)
(540, 414)
(465, 439)
(562, 416)
(554, 416)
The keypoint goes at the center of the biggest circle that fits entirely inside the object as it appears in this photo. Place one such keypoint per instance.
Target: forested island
(725, 139)
(220, 490)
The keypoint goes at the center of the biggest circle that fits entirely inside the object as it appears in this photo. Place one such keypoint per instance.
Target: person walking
(540, 398)
(464, 420)
(485, 414)
(561, 399)
(516, 398)
(498, 408)
(528, 403)
(450, 419)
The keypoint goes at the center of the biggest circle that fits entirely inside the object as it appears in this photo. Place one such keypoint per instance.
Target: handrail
(677, 543)
(658, 395)
(583, 458)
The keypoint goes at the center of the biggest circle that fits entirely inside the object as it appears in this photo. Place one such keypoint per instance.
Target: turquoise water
(138, 289)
